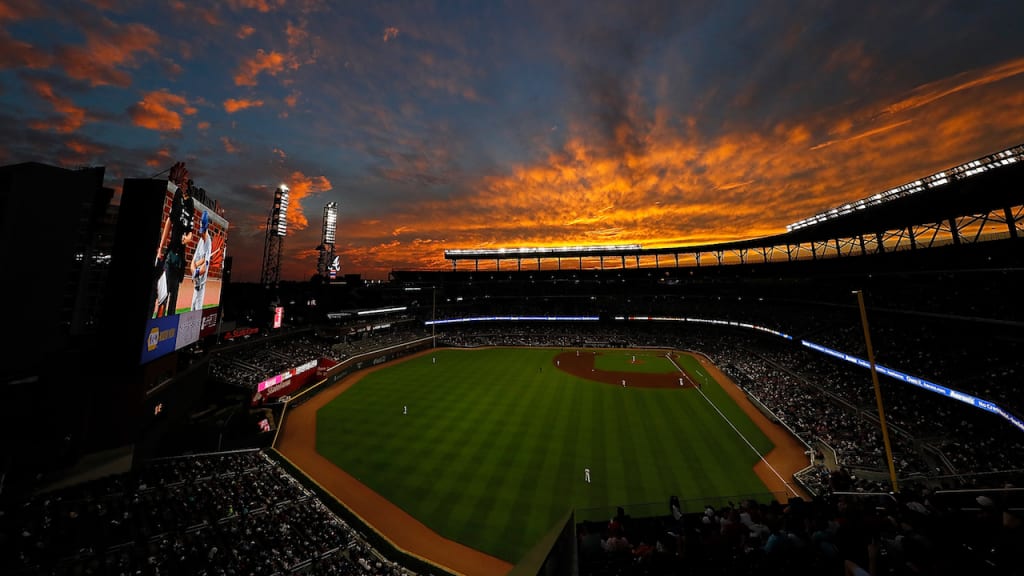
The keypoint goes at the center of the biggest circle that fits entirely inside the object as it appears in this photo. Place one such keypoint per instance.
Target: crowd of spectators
(234, 513)
(245, 366)
(817, 396)
(241, 513)
(841, 534)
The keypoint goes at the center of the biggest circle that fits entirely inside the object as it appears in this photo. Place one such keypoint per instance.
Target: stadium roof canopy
(988, 190)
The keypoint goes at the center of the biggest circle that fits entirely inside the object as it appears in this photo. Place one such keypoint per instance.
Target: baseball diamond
(494, 445)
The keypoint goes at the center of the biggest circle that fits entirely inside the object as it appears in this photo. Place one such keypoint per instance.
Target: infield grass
(646, 362)
(493, 448)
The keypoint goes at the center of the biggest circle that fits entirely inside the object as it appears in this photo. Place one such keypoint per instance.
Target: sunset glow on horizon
(468, 125)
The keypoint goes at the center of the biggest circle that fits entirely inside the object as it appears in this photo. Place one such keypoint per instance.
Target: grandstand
(940, 263)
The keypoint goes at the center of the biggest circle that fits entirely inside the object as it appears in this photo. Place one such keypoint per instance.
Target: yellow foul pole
(878, 391)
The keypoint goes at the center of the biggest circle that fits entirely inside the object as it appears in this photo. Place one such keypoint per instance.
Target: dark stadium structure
(939, 262)
(964, 204)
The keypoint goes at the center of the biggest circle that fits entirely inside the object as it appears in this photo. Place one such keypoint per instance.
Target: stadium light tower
(328, 264)
(277, 229)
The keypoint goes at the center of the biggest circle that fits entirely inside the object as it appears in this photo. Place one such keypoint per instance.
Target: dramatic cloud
(194, 12)
(229, 146)
(16, 54)
(296, 33)
(257, 5)
(232, 105)
(160, 111)
(80, 151)
(161, 159)
(440, 125)
(109, 49)
(15, 10)
(933, 91)
(271, 63)
(69, 117)
(302, 188)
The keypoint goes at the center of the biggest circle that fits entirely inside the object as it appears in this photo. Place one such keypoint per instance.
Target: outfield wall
(687, 506)
(356, 363)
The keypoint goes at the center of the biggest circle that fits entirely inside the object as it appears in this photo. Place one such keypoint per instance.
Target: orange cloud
(390, 33)
(292, 99)
(232, 105)
(680, 184)
(171, 68)
(864, 134)
(17, 54)
(15, 10)
(258, 5)
(296, 33)
(272, 63)
(207, 15)
(683, 187)
(70, 117)
(203, 126)
(161, 159)
(931, 92)
(161, 111)
(244, 32)
(108, 49)
(853, 60)
(194, 11)
(229, 146)
(300, 188)
(82, 152)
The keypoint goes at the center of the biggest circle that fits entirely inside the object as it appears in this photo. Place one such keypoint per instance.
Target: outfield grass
(492, 450)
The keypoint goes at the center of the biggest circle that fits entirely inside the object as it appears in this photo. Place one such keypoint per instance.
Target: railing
(689, 505)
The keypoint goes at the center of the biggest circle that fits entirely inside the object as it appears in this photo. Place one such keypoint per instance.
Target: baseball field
(488, 448)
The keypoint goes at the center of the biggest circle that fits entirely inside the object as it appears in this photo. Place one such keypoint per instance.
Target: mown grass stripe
(496, 440)
(659, 462)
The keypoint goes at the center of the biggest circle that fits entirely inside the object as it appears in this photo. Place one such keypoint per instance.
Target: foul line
(736, 430)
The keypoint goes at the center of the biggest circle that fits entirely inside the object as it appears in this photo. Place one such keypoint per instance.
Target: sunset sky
(478, 124)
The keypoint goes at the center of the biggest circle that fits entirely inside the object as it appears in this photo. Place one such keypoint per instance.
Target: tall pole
(433, 317)
(878, 391)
